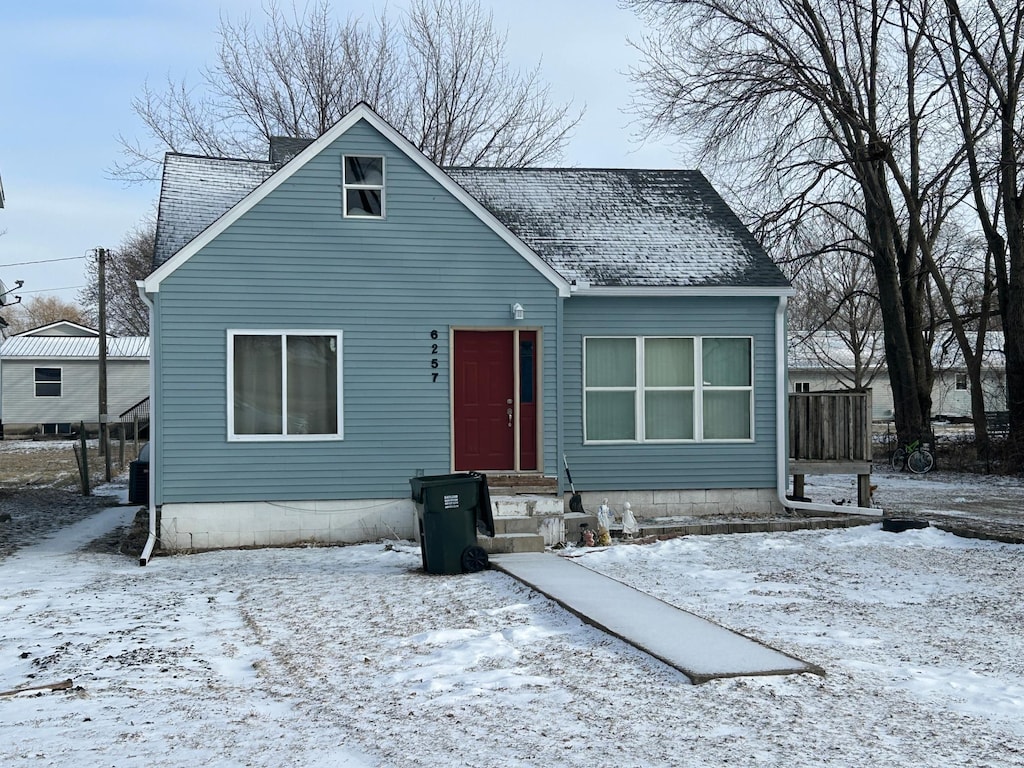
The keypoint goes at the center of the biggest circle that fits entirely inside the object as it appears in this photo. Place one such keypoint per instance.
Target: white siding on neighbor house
(947, 400)
(822, 381)
(127, 383)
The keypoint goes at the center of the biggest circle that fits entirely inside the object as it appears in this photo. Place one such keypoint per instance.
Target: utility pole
(101, 270)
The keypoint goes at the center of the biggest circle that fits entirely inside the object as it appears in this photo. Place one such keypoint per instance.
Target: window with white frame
(48, 382)
(802, 386)
(363, 186)
(284, 385)
(961, 381)
(656, 389)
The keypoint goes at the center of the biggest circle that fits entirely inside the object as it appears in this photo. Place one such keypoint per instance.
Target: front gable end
(360, 181)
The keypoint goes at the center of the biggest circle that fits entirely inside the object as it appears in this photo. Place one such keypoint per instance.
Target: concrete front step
(509, 543)
(525, 505)
(511, 485)
(509, 490)
(508, 524)
(550, 527)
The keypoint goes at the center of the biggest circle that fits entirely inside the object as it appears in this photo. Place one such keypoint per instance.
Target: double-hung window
(363, 186)
(667, 389)
(284, 385)
(48, 382)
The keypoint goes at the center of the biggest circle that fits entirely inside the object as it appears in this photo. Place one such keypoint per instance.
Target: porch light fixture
(518, 313)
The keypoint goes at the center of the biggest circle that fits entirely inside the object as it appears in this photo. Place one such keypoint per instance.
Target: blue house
(342, 317)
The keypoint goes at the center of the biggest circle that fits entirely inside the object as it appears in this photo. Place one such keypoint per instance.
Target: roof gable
(186, 223)
(60, 328)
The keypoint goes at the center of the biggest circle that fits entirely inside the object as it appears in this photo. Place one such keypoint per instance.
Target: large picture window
(658, 389)
(284, 385)
(48, 382)
(363, 185)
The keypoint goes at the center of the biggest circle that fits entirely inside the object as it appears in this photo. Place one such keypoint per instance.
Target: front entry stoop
(524, 522)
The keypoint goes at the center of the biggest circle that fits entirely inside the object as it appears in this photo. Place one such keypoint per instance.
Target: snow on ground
(998, 498)
(354, 657)
(43, 446)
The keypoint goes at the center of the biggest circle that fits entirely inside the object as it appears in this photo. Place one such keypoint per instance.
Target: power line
(51, 290)
(41, 261)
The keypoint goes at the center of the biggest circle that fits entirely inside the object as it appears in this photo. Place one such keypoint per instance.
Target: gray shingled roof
(608, 228)
(196, 191)
(620, 228)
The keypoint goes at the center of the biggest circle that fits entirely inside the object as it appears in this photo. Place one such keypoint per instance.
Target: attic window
(363, 186)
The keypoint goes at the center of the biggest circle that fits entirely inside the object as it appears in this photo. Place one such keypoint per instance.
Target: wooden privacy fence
(830, 433)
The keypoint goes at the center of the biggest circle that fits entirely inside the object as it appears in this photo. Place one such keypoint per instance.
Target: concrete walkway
(698, 648)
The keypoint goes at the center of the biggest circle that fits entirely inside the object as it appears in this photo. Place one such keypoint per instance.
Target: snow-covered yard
(354, 657)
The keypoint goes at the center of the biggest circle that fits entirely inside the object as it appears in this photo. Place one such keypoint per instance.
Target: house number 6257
(433, 360)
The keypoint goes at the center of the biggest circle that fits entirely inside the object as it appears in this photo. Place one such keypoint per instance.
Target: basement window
(363, 186)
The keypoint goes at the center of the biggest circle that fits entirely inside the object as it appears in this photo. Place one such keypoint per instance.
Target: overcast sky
(71, 69)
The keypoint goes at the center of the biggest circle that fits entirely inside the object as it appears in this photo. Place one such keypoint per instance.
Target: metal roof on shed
(74, 347)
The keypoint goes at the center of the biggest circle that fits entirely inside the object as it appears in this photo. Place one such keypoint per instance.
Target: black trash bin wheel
(474, 559)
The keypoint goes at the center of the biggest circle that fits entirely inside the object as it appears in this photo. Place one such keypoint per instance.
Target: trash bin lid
(144, 454)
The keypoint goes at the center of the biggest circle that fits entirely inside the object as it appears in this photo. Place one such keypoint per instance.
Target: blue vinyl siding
(675, 466)
(293, 262)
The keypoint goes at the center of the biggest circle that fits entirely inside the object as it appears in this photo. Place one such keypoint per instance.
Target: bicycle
(915, 456)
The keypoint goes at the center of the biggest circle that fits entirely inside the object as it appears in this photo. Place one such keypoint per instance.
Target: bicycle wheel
(898, 459)
(920, 461)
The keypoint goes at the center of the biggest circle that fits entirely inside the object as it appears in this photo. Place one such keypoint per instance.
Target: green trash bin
(450, 509)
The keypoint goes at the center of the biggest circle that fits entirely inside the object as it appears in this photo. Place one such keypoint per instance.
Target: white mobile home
(49, 378)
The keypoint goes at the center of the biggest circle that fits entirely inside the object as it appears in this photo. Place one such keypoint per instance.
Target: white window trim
(640, 389)
(345, 187)
(956, 382)
(283, 334)
(36, 382)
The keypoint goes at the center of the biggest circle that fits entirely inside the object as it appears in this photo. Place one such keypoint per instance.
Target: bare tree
(835, 314)
(986, 43)
(132, 260)
(836, 107)
(440, 77)
(43, 310)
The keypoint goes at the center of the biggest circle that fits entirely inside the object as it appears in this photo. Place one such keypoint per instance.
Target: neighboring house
(821, 363)
(50, 378)
(327, 328)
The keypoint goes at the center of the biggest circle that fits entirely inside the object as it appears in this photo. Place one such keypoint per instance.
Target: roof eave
(682, 290)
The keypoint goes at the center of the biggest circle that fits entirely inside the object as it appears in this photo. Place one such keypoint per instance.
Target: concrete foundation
(725, 502)
(200, 526)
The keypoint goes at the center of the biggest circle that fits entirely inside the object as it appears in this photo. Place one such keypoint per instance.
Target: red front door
(484, 400)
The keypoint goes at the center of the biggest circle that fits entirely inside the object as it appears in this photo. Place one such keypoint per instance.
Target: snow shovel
(575, 503)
